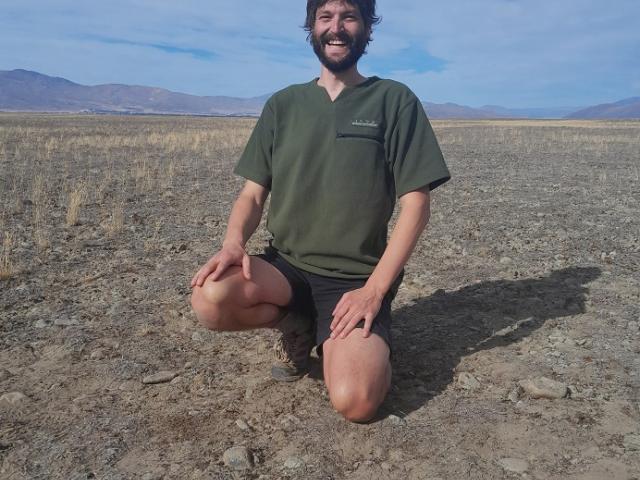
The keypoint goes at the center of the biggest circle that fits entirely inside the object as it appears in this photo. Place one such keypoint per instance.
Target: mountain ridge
(27, 91)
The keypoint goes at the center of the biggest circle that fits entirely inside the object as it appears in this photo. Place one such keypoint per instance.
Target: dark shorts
(316, 296)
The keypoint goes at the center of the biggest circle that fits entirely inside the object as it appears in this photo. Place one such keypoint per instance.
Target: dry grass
(164, 173)
(115, 222)
(153, 243)
(7, 267)
(77, 198)
(41, 236)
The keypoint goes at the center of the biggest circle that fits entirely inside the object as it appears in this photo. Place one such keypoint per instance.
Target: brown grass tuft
(77, 198)
(115, 223)
(7, 269)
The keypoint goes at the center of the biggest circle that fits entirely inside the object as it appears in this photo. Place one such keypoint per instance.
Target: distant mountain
(25, 91)
(627, 108)
(452, 110)
(533, 112)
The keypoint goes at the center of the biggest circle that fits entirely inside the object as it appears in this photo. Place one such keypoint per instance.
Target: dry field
(530, 269)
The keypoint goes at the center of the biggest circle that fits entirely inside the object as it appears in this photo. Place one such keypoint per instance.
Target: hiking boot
(292, 349)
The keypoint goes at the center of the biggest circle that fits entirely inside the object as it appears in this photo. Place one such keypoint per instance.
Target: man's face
(339, 37)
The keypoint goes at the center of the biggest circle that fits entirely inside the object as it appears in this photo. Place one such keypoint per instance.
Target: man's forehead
(342, 5)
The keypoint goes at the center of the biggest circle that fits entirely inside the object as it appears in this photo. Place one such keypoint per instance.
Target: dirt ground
(529, 269)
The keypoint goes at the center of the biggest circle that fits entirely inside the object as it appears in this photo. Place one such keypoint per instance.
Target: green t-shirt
(334, 170)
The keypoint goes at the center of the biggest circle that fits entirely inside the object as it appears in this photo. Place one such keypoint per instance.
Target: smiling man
(334, 154)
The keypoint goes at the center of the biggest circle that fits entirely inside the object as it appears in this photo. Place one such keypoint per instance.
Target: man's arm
(364, 303)
(243, 221)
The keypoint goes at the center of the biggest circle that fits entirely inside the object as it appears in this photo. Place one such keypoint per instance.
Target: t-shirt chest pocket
(361, 159)
(360, 141)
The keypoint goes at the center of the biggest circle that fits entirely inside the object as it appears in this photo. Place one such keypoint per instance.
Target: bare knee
(356, 403)
(213, 302)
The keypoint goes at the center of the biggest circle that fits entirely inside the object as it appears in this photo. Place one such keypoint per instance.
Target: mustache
(342, 36)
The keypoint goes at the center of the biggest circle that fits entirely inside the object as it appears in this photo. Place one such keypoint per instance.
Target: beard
(356, 47)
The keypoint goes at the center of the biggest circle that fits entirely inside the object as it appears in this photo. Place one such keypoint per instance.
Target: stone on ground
(13, 398)
(238, 458)
(515, 465)
(543, 387)
(160, 377)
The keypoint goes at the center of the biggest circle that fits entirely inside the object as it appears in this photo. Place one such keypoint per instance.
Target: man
(333, 153)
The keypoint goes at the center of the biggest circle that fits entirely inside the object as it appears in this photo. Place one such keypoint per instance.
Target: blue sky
(514, 53)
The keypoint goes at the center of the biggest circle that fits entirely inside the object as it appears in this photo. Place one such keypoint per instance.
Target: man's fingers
(205, 271)
(338, 323)
(218, 271)
(350, 324)
(368, 321)
(339, 305)
(344, 327)
(246, 267)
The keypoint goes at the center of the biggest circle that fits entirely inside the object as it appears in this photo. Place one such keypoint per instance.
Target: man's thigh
(327, 292)
(266, 285)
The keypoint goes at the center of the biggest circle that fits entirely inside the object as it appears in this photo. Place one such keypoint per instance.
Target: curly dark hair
(367, 10)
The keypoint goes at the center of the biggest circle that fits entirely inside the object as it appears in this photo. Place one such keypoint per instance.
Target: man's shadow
(431, 335)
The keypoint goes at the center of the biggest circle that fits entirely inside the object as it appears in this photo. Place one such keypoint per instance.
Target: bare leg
(234, 303)
(357, 373)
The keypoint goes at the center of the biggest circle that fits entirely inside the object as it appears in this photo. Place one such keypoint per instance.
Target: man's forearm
(412, 220)
(244, 219)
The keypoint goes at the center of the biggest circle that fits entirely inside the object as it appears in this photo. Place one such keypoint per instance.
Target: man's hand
(229, 256)
(361, 304)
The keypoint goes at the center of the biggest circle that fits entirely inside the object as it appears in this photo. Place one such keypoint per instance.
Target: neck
(334, 82)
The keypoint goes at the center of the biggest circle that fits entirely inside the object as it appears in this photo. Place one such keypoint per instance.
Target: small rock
(293, 463)
(248, 393)
(242, 425)
(176, 381)
(4, 374)
(631, 442)
(238, 458)
(65, 322)
(14, 398)
(160, 377)
(514, 394)
(633, 326)
(395, 420)
(98, 354)
(505, 260)
(514, 465)
(544, 387)
(109, 454)
(290, 421)
(42, 323)
(468, 381)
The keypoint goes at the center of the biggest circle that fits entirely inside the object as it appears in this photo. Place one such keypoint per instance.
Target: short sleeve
(255, 161)
(414, 152)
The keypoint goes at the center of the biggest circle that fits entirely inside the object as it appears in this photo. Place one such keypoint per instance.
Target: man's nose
(337, 25)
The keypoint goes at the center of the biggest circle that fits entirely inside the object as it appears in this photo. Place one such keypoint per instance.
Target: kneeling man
(334, 154)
